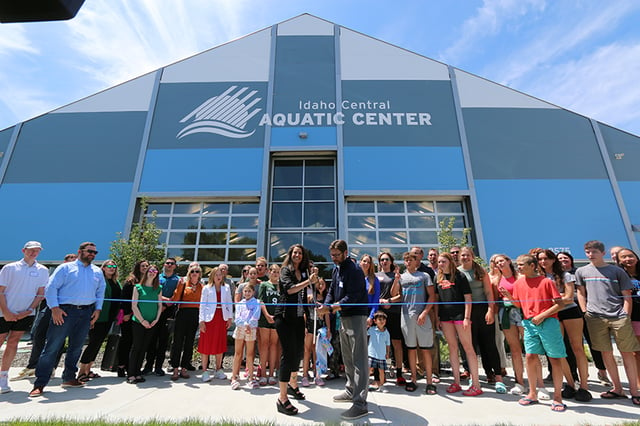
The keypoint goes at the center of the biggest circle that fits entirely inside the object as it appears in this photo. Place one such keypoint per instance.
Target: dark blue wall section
(61, 216)
(213, 115)
(624, 151)
(314, 136)
(417, 169)
(518, 215)
(304, 71)
(5, 138)
(407, 101)
(78, 147)
(531, 143)
(630, 191)
(207, 170)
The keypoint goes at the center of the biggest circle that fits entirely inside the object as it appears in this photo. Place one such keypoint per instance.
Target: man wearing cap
(21, 289)
(74, 293)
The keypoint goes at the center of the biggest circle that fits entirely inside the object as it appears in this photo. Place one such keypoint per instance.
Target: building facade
(307, 131)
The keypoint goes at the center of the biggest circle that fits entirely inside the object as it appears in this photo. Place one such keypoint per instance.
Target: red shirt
(535, 295)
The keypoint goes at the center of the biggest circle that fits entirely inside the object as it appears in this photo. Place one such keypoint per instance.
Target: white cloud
(561, 37)
(490, 19)
(118, 41)
(602, 85)
(13, 39)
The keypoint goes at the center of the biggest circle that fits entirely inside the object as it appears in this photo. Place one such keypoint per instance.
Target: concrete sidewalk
(110, 398)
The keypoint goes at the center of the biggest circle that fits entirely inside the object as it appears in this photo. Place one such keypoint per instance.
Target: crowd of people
(369, 322)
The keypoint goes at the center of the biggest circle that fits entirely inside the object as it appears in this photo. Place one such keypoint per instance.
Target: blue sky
(582, 55)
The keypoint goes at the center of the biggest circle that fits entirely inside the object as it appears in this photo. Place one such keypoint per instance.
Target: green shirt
(146, 297)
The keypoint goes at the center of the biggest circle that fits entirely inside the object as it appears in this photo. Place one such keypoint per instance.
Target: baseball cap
(32, 244)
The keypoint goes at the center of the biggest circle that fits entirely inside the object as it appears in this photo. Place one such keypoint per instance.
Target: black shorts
(21, 325)
(393, 325)
(571, 313)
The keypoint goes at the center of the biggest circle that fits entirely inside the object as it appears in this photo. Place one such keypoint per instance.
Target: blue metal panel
(402, 113)
(5, 137)
(304, 70)
(208, 115)
(630, 191)
(302, 137)
(518, 215)
(624, 151)
(77, 147)
(202, 170)
(531, 143)
(420, 169)
(61, 216)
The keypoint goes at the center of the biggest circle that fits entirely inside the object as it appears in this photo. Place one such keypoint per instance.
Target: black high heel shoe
(295, 392)
(287, 408)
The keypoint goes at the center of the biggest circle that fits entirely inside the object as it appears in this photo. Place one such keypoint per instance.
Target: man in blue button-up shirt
(74, 294)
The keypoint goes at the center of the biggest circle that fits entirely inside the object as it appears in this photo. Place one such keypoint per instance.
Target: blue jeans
(76, 326)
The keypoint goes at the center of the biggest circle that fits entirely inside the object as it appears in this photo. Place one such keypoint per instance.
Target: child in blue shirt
(247, 315)
(379, 342)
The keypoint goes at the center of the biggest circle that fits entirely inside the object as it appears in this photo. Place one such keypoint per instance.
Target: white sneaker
(543, 394)
(24, 374)
(518, 389)
(206, 377)
(4, 384)
(219, 375)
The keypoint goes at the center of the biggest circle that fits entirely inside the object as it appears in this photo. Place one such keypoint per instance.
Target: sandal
(635, 400)
(83, 378)
(93, 375)
(453, 388)
(286, 408)
(501, 387)
(472, 391)
(410, 387)
(612, 395)
(295, 392)
(524, 401)
(431, 389)
(558, 407)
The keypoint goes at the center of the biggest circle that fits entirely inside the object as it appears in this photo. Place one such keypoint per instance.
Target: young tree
(446, 237)
(143, 243)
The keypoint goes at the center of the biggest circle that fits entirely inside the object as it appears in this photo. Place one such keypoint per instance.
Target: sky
(581, 55)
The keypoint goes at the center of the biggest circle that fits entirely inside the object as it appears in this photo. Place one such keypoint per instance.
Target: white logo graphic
(225, 114)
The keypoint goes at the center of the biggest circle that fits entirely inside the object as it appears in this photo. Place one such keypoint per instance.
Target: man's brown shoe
(74, 383)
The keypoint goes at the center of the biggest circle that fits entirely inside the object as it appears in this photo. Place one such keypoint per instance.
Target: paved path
(160, 398)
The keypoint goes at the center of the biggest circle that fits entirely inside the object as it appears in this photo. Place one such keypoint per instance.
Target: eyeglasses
(385, 260)
(454, 252)
(195, 272)
(94, 252)
(169, 263)
(110, 266)
(153, 270)
(245, 271)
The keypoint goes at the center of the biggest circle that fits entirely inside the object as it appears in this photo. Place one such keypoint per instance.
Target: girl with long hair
(126, 336)
(373, 285)
(454, 316)
(482, 316)
(187, 293)
(146, 313)
(268, 295)
(98, 333)
(571, 324)
(628, 260)
(289, 317)
(215, 315)
(386, 276)
(510, 317)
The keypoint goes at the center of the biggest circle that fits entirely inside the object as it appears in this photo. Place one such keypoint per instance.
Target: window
(209, 232)
(398, 225)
